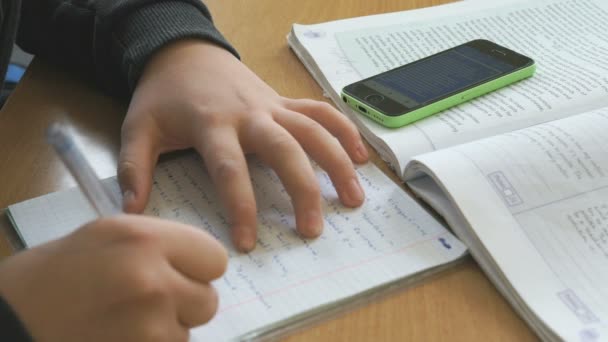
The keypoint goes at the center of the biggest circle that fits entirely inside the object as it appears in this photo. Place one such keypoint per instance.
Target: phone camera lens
(374, 98)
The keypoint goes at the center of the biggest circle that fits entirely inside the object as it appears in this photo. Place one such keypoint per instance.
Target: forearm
(111, 40)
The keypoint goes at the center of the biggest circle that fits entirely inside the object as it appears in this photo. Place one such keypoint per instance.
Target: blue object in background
(14, 73)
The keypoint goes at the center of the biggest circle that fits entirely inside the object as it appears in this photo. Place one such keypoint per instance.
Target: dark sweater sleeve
(111, 40)
(11, 328)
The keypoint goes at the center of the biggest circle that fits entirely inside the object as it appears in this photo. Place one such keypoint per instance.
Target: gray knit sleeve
(110, 41)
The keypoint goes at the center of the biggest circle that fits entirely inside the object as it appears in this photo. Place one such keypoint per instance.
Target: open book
(521, 174)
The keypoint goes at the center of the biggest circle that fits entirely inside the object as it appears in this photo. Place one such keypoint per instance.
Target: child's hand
(194, 94)
(126, 278)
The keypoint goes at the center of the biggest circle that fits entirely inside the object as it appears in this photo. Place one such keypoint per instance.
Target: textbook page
(566, 38)
(537, 201)
(389, 238)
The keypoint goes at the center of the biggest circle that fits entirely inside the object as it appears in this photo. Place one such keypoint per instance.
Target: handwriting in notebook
(390, 237)
(183, 191)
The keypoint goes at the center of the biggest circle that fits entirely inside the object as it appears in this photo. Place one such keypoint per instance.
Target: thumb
(136, 162)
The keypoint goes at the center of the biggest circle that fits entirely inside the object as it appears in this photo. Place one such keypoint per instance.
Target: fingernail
(127, 197)
(314, 223)
(246, 239)
(355, 192)
(362, 151)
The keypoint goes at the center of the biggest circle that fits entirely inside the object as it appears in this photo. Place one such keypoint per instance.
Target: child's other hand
(195, 94)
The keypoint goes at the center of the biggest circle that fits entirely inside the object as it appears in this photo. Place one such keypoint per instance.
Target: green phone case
(436, 107)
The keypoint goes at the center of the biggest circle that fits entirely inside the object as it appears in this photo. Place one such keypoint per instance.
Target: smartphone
(416, 90)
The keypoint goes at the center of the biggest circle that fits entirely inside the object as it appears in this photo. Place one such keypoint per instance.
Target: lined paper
(389, 238)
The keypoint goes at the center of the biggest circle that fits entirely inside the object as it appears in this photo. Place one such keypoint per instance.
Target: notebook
(287, 281)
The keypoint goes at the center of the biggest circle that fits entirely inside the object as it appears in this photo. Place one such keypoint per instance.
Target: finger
(324, 148)
(192, 252)
(138, 156)
(276, 147)
(227, 166)
(335, 122)
(196, 303)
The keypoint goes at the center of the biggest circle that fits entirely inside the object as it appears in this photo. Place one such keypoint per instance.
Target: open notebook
(390, 241)
(533, 210)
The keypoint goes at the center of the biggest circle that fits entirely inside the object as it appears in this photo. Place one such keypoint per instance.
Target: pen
(101, 199)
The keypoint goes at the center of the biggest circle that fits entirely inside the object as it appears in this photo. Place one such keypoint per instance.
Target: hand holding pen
(122, 278)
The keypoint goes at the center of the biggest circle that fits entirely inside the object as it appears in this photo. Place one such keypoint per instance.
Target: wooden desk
(458, 304)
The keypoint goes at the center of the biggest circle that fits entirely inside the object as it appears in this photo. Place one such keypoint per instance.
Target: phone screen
(430, 79)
